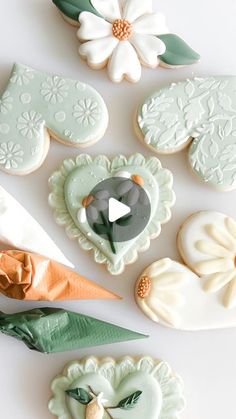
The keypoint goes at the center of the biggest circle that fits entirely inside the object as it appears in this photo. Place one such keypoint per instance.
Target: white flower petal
(109, 9)
(230, 295)
(169, 280)
(81, 215)
(213, 249)
(171, 298)
(124, 63)
(217, 281)
(157, 268)
(148, 48)
(123, 174)
(231, 227)
(212, 266)
(164, 312)
(221, 236)
(93, 27)
(98, 51)
(152, 24)
(136, 8)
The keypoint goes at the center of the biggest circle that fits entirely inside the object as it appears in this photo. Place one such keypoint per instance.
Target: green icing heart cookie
(125, 389)
(72, 184)
(201, 111)
(35, 106)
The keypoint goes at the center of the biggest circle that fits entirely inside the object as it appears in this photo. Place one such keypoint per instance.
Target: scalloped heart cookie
(72, 203)
(200, 113)
(202, 294)
(36, 106)
(128, 388)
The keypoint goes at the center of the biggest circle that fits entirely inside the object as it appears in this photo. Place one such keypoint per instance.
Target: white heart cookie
(201, 295)
(125, 389)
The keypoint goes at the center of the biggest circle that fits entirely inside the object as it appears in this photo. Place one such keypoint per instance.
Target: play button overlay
(119, 209)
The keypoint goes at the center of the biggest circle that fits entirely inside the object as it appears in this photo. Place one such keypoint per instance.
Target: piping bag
(27, 276)
(18, 229)
(50, 330)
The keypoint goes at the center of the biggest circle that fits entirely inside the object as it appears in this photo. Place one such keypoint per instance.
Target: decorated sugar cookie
(128, 388)
(199, 113)
(84, 191)
(123, 35)
(20, 230)
(36, 106)
(202, 293)
(53, 330)
(30, 277)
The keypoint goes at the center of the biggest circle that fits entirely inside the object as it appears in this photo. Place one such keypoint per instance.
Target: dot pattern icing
(35, 105)
(201, 111)
(74, 182)
(159, 392)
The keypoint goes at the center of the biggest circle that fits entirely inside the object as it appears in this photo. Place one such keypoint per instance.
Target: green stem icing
(106, 228)
(73, 8)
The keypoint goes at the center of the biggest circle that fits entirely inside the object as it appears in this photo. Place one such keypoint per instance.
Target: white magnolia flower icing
(124, 37)
(157, 292)
(220, 268)
(207, 242)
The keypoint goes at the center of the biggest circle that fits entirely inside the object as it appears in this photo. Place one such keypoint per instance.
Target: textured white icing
(180, 301)
(162, 391)
(20, 230)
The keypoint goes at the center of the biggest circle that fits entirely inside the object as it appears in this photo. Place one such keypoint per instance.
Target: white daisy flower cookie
(124, 35)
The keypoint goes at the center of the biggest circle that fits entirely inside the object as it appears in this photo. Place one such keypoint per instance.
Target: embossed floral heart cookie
(128, 388)
(35, 106)
(199, 113)
(202, 293)
(85, 190)
(123, 35)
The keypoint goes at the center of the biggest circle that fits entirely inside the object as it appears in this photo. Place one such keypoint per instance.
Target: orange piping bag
(27, 276)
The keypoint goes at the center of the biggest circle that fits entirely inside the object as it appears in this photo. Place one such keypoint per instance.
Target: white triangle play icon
(117, 210)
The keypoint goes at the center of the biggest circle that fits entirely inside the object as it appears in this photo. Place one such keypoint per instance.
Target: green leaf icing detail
(124, 221)
(130, 401)
(73, 8)
(177, 53)
(80, 395)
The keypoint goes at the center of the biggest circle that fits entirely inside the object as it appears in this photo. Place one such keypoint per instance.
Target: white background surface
(32, 32)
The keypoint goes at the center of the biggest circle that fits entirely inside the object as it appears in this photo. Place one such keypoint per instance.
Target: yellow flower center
(122, 29)
(144, 287)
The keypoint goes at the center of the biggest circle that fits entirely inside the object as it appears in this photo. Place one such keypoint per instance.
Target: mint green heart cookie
(200, 112)
(35, 106)
(70, 196)
(128, 388)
